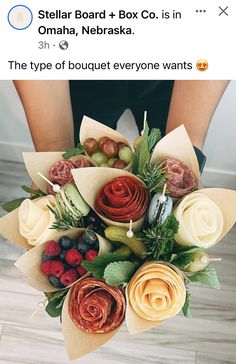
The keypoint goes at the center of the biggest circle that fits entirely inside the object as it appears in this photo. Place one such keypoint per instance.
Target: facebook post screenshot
(117, 182)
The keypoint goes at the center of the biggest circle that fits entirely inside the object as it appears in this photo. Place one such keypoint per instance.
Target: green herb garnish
(186, 307)
(141, 155)
(160, 238)
(78, 150)
(98, 265)
(55, 302)
(14, 204)
(207, 277)
(119, 273)
(153, 139)
(154, 177)
(65, 220)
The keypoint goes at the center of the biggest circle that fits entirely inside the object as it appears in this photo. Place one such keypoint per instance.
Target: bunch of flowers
(114, 234)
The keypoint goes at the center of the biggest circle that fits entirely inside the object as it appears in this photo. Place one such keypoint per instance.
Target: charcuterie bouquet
(114, 233)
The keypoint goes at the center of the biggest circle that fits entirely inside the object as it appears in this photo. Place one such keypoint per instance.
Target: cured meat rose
(122, 199)
(96, 307)
(181, 180)
(81, 163)
(60, 172)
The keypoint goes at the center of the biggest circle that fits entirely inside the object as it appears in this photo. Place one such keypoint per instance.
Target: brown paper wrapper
(93, 129)
(226, 200)
(177, 145)
(29, 263)
(77, 341)
(41, 162)
(89, 182)
(9, 228)
(135, 323)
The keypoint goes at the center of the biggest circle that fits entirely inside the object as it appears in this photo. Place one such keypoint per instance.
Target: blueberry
(83, 247)
(45, 257)
(90, 237)
(63, 255)
(74, 244)
(66, 266)
(55, 282)
(65, 242)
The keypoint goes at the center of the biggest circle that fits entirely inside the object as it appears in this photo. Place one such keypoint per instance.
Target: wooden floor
(208, 338)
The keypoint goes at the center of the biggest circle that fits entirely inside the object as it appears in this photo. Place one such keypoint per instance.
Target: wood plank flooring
(208, 338)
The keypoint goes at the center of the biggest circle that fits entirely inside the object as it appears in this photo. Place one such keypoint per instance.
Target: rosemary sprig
(154, 177)
(65, 220)
(160, 238)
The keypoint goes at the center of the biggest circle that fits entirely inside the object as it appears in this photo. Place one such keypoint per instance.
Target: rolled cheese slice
(35, 219)
(200, 221)
(156, 292)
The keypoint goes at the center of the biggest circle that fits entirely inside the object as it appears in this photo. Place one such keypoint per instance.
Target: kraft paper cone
(135, 323)
(77, 341)
(29, 263)
(177, 145)
(41, 162)
(93, 129)
(9, 228)
(226, 200)
(89, 182)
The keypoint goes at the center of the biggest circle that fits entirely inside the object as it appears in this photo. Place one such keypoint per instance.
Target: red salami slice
(60, 172)
(96, 307)
(122, 199)
(181, 180)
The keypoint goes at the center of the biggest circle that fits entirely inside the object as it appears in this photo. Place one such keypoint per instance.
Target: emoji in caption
(202, 65)
(20, 17)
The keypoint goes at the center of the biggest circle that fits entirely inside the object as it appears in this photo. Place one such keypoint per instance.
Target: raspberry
(69, 277)
(81, 270)
(56, 268)
(45, 268)
(73, 257)
(52, 249)
(91, 254)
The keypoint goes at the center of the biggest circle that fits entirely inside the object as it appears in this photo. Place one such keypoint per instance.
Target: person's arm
(193, 104)
(48, 111)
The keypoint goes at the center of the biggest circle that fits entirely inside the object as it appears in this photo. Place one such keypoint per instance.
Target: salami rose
(81, 163)
(60, 172)
(122, 199)
(181, 180)
(96, 307)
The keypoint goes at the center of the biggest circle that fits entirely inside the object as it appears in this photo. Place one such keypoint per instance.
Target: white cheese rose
(200, 221)
(35, 219)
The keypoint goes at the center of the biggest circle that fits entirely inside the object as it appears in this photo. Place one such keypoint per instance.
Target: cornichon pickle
(119, 234)
(124, 250)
